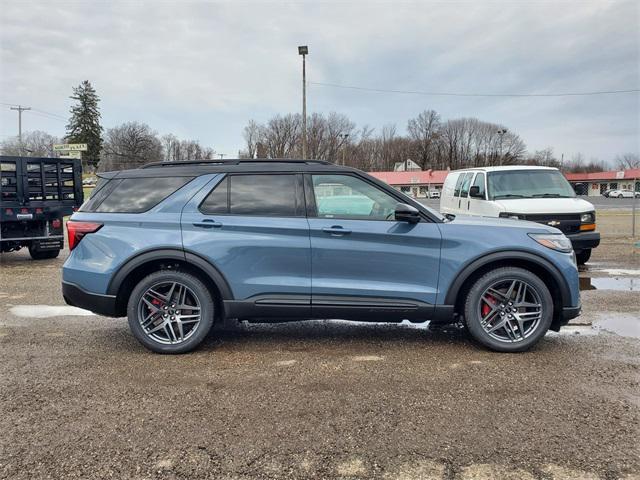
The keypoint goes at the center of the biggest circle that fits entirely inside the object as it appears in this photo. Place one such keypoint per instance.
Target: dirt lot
(81, 399)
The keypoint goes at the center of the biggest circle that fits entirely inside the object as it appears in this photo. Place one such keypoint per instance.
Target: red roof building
(418, 184)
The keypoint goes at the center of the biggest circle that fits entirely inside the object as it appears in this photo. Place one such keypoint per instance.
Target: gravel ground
(81, 399)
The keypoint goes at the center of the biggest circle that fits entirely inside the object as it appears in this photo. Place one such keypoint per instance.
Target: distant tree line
(429, 141)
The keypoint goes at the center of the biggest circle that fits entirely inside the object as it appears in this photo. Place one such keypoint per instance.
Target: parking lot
(327, 399)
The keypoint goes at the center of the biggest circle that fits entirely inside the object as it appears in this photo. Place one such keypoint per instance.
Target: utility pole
(304, 51)
(20, 109)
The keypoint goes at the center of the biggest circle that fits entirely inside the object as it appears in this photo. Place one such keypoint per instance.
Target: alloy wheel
(510, 310)
(169, 312)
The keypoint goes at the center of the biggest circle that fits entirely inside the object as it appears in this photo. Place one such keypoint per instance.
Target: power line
(50, 114)
(455, 94)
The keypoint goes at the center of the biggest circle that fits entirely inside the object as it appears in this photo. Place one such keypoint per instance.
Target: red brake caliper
(486, 308)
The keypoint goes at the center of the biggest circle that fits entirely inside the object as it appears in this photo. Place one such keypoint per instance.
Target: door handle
(207, 223)
(336, 230)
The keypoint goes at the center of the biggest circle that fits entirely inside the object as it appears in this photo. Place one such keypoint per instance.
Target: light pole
(344, 137)
(304, 51)
(501, 132)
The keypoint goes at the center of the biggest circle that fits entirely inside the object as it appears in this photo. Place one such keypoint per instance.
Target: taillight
(56, 223)
(24, 210)
(8, 211)
(77, 231)
(39, 210)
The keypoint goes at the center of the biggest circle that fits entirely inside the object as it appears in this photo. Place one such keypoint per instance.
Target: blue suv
(178, 246)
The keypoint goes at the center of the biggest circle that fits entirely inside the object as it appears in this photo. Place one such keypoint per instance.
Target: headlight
(587, 217)
(512, 216)
(552, 241)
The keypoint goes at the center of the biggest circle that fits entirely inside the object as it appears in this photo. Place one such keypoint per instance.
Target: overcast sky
(202, 69)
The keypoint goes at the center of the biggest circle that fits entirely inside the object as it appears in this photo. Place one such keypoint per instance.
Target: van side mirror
(407, 213)
(474, 192)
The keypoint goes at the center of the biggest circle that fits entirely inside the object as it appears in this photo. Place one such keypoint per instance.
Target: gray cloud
(202, 69)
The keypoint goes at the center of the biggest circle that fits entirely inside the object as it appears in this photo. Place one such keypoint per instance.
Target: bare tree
(34, 144)
(627, 161)
(424, 130)
(252, 134)
(130, 145)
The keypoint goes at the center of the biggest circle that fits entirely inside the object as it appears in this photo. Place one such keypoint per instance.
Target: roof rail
(232, 162)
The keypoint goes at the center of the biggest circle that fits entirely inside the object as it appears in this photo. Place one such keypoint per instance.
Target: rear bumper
(94, 302)
(584, 241)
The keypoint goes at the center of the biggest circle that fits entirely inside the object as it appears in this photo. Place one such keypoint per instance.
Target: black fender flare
(170, 254)
(474, 265)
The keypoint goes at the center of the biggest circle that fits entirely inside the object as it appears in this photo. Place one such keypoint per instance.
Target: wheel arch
(541, 267)
(136, 268)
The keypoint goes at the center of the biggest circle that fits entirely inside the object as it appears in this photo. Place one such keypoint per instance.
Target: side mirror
(474, 192)
(407, 213)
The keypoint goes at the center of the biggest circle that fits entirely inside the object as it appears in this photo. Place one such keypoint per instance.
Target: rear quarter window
(133, 195)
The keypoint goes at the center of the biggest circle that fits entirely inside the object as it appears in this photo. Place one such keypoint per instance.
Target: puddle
(622, 284)
(620, 324)
(46, 311)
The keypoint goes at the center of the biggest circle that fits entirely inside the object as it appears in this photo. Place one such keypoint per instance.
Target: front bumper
(584, 240)
(94, 302)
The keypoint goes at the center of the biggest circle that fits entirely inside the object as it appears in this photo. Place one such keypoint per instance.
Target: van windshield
(528, 184)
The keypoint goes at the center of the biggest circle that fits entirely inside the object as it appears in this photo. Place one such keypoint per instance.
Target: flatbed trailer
(35, 196)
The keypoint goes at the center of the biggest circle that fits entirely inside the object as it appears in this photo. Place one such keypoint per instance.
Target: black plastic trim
(170, 254)
(78, 297)
(269, 306)
(470, 268)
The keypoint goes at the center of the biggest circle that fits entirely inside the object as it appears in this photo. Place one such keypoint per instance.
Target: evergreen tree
(84, 125)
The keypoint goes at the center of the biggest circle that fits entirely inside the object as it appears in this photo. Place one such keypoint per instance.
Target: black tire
(197, 289)
(583, 257)
(620, 196)
(473, 308)
(42, 254)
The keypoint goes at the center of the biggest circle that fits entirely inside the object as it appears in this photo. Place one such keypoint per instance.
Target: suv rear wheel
(170, 312)
(508, 309)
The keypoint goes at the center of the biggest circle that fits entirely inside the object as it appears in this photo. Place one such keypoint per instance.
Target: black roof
(200, 167)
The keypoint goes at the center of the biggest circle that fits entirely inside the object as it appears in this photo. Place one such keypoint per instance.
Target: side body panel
(257, 255)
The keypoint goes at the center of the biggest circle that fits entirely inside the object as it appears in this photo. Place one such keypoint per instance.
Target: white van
(538, 194)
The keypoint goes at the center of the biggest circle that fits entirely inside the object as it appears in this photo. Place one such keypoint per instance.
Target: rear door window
(255, 195)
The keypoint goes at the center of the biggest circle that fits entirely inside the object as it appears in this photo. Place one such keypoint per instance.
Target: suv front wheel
(170, 312)
(508, 309)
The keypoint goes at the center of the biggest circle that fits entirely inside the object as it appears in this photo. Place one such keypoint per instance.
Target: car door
(252, 228)
(364, 263)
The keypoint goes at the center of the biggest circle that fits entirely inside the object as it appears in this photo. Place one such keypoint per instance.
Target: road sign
(70, 147)
(67, 154)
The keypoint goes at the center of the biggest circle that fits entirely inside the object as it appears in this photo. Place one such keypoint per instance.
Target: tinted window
(344, 196)
(479, 182)
(273, 195)
(217, 201)
(133, 195)
(464, 191)
(456, 192)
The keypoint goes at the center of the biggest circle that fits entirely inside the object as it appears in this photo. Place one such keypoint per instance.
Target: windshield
(529, 184)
